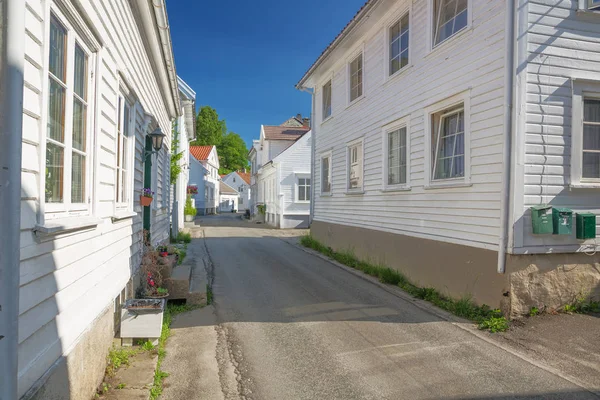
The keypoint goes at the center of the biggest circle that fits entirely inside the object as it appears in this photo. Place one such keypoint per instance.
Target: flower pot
(142, 318)
(145, 201)
(189, 218)
(158, 296)
(164, 253)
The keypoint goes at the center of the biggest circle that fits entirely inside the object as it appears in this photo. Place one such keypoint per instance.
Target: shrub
(189, 208)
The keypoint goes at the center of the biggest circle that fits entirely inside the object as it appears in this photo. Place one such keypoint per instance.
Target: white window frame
(125, 96)
(353, 56)
(361, 154)
(433, 26)
(324, 117)
(463, 98)
(587, 5)
(74, 34)
(302, 175)
(328, 155)
(582, 89)
(397, 16)
(385, 131)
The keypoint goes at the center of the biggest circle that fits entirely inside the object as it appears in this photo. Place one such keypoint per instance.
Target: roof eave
(368, 6)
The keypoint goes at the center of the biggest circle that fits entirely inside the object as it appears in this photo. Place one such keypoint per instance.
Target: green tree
(233, 153)
(209, 128)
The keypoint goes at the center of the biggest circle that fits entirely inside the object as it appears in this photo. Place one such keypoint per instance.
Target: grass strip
(486, 318)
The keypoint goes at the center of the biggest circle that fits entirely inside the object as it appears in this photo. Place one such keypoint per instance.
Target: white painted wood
(234, 180)
(68, 279)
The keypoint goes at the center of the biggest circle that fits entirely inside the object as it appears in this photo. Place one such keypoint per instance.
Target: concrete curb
(460, 323)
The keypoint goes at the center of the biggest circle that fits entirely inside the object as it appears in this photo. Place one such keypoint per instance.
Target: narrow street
(290, 325)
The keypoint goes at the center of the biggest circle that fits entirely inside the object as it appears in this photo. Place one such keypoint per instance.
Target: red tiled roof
(201, 153)
(245, 176)
(348, 26)
(284, 132)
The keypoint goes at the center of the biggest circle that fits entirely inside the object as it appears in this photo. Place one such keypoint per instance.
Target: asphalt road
(294, 326)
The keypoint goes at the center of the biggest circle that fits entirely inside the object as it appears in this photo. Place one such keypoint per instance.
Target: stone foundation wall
(551, 281)
(78, 375)
(455, 270)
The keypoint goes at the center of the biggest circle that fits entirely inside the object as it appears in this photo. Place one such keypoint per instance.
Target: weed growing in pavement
(486, 318)
(147, 346)
(160, 375)
(121, 386)
(118, 357)
(182, 237)
(580, 306)
(534, 311)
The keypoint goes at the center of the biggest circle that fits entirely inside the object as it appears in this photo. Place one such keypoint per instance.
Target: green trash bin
(562, 220)
(541, 219)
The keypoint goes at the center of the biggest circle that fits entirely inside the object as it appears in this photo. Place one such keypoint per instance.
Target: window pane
(124, 197)
(58, 44)
(450, 17)
(591, 137)
(327, 100)
(56, 111)
(591, 110)
(395, 31)
(301, 193)
(591, 165)
(54, 173)
(80, 86)
(79, 125)
(78, 179)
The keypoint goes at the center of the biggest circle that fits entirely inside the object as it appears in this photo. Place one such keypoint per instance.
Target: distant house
(228, 198)
(185, 127)
(240, 181)
(281, 175)
(458, 142)
(204, 173)
(98, 86)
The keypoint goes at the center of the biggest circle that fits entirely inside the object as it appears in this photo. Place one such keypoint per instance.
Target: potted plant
(153, 290)
(189, 211)
(146, 197)
(163, 250)
(192, 189)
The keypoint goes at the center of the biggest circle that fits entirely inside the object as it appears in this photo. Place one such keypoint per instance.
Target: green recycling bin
(562, 221)
(541, 219)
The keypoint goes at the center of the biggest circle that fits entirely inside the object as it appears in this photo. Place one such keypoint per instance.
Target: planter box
(142, 318)
(189, 218)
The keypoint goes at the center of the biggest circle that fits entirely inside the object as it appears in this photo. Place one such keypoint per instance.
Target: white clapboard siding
(68, 280)
(473, 61)
(562, 44)
(294, 160)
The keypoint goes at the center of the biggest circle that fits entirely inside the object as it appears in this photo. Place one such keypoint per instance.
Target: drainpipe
(505, 225)
(312, 154)
(11, 127)
(162, 20)
(175, 211)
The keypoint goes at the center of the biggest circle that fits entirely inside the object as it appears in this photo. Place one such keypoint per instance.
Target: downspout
(162, 20)
(505, 225)
(12, 40)
(312, 154)
(175, 211)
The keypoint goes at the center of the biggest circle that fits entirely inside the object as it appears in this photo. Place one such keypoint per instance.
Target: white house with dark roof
(439, 124)
(281, 175)
(204, 174)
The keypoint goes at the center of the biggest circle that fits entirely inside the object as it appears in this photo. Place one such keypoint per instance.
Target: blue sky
(244, 57)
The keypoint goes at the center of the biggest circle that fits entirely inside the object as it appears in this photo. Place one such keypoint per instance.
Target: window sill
(594, 185)
(328, 194)
(356, 192)
(450, 184)
(392, 189)
(326, 120)
(55, 227)
(302, 201)
(123, 215)
(357, 100)
(452, 38)
(400, 72)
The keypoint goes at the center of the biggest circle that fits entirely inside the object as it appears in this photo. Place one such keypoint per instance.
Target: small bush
(494, 324)
(184, 237)
(189, 208)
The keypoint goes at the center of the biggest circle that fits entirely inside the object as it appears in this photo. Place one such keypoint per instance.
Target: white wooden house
(228, 198)
(283, 183)
(439, 123)
(204, 173)
(240, 181)
(185, 129)
(99, 77)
